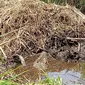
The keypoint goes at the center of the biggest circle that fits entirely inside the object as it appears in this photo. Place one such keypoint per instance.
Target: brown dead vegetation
(33, 26)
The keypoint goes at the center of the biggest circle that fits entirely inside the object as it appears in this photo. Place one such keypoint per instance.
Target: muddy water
(71, 72)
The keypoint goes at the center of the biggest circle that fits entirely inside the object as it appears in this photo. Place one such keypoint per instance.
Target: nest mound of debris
(33, 26)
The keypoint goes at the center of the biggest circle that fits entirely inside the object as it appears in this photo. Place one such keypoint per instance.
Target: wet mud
(71, 72)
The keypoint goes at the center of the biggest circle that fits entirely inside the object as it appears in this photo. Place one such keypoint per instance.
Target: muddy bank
(70, 72)
(34, 26)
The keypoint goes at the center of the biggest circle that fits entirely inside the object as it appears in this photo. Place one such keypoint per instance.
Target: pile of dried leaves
(32, 26)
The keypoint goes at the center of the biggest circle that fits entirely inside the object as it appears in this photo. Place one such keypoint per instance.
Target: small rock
(41, 62)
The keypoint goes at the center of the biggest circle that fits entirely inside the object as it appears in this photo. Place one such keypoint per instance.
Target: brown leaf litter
(33, 26)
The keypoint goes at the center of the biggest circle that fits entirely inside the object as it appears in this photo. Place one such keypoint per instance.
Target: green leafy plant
(52, 81)
(59, 81)
(8, 82)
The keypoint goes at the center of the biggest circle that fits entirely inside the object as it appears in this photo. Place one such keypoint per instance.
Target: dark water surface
(71, 72)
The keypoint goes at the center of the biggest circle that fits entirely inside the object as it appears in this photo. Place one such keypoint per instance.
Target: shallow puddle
(70, 72)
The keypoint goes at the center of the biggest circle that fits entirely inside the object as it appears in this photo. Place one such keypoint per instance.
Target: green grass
(78, 4)
(13, 79)
(10, 80)
(57, 81)
(47, 81)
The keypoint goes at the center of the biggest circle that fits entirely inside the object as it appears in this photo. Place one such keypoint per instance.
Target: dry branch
(3, 53)
(8, 33)
(8, 41)
(76, 39)
(79, 13)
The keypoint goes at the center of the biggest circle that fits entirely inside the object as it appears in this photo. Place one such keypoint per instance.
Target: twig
(8, 41)
(79, 13)
(79, 47)
(75, 39)
(22, 60)
(8, 33)
(8, 47)
(3, 52)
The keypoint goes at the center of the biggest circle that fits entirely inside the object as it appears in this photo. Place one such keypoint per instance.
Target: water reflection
(69, 77)
(71, 72)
